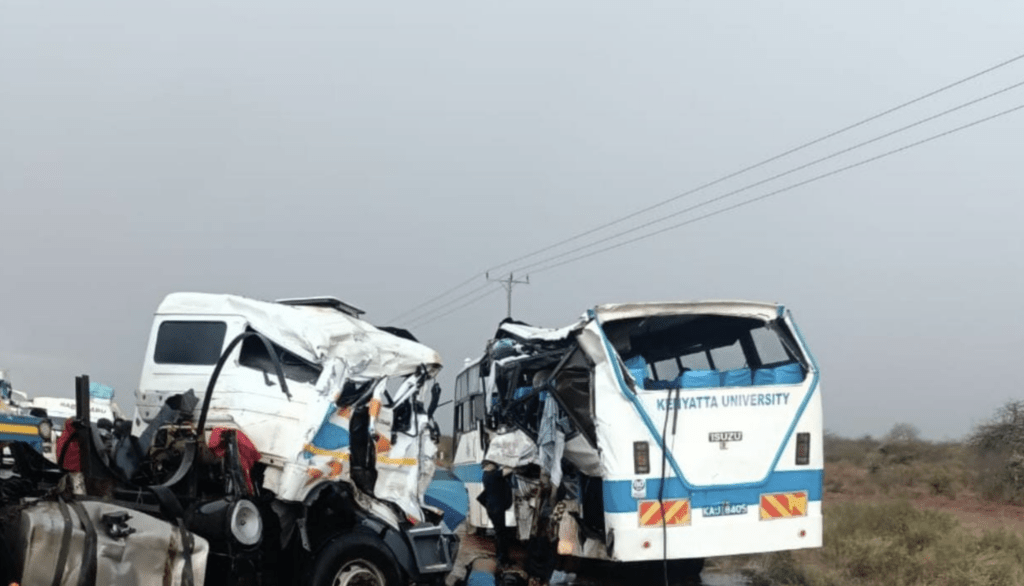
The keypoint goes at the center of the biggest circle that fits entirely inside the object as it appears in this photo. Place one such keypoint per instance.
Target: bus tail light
(803, 449)
(641, 458)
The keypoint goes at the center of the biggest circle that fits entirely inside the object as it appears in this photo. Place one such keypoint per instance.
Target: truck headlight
(228, 519)
(245, 523)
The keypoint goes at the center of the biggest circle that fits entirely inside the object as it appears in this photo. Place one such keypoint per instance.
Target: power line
(757, 165)
(545, 261)
(784, 189)
(449, 303)
(466, 304)
(769, 179)
(761, 163)
(437, 297)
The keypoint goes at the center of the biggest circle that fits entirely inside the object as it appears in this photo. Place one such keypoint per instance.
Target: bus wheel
(354, 559)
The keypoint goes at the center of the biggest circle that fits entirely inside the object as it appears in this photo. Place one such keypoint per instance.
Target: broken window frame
(252, 355)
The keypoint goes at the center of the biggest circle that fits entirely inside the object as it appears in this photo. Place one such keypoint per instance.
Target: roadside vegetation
(894, 512)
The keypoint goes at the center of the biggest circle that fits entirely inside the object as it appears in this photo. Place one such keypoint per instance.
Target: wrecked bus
(647, 432)
(272, 443)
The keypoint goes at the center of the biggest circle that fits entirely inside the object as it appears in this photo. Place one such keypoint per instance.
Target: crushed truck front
(347, 418)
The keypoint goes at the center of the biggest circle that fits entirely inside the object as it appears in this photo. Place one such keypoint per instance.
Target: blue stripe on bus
(618, 493)
(472, 472)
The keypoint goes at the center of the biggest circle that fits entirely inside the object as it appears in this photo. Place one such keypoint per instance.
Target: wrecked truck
(272, 443)
(651, 434)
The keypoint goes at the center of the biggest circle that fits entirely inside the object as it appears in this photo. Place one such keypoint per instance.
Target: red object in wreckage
(68, 448)
(248, 455)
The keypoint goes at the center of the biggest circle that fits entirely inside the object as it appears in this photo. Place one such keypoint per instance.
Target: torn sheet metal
(305, 437)
(551, 440)
(512, 449)
(314, 333)
(748, 309)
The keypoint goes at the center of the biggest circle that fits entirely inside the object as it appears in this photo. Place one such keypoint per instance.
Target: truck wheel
(354, 559)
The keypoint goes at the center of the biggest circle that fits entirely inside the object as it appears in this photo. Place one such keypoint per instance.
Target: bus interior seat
(739, 377)
(701, 379)
(786, 374)
(637, 366)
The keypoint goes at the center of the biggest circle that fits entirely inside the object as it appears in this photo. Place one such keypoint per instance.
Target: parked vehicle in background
(646, 432)
(272, 443)
(19, 422)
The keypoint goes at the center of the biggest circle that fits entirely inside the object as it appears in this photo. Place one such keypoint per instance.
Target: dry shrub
(897, 544)
(998, 449)
(855, 451)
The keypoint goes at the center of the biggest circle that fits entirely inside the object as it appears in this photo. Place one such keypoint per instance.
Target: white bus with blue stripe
(681, 430)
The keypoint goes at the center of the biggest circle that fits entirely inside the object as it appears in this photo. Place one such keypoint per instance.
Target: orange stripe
(767, 510)
(652, 515)
(670, 516)
(784, 505)
(799, 505)
(397, 461)
(374, 407)
(783, 500)
(684, 514)
(781, 509)
(342, 454)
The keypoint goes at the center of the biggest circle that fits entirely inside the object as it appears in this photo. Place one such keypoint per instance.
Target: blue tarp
(100, 391)
(701, 378)
(448, 493)
(740, 377)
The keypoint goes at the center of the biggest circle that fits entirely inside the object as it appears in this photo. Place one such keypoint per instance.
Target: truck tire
(355, 559)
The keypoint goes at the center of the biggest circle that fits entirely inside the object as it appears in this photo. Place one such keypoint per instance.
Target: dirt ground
(477, 552)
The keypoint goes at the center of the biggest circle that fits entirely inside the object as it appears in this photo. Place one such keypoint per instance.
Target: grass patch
(898, 465)
(895, 544)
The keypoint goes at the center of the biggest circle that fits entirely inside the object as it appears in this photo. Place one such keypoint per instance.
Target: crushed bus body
(272, 443)
(649, 432)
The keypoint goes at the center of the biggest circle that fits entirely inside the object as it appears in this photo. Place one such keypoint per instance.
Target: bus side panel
(466, 466)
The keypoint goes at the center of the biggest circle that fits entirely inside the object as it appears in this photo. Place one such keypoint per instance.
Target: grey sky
(384, 153)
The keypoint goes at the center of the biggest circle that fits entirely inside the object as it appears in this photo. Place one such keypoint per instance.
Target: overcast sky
(383, 152)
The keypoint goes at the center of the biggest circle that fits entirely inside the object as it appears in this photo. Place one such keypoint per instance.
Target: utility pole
(508, 283)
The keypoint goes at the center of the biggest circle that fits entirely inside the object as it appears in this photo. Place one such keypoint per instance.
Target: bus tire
(355, 559)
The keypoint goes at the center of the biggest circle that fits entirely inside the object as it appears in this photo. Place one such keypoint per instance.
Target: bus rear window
(684, 351)
(189, 342)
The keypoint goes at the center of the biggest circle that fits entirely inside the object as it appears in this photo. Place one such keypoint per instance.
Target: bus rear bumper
(717, 535)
